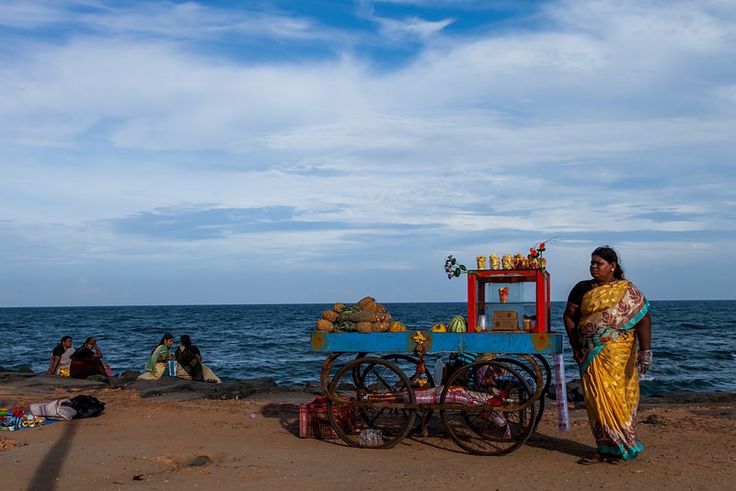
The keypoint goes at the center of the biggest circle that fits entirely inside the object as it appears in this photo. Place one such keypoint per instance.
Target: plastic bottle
(172, 368)
(438, 372)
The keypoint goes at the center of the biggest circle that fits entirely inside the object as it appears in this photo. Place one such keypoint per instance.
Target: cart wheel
(408, 365)
(547, 371)
(533, 375)
(331, 364)
(382, 399)
(487, 409)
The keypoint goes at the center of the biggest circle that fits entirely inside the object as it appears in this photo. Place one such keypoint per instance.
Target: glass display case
(510, 300)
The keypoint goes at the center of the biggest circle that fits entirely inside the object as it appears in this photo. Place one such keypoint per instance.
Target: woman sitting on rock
(157, 366)
(87, 360)
(61, 357)
(189, 364)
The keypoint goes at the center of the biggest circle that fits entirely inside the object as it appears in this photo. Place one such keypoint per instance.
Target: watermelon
(457, 324)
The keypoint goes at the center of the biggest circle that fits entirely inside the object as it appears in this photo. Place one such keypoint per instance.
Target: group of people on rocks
(80, 363)
(87, 360)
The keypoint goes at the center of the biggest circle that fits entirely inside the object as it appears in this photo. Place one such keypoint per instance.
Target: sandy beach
(253, 443)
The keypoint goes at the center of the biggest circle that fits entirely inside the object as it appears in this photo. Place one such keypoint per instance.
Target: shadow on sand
(287, 414)
(50, 467)
(570, 447)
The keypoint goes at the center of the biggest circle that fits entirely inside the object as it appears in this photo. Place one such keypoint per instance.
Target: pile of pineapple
(365, 316)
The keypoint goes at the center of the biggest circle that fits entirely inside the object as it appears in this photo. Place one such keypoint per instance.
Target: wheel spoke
(508, 419)
(375, 401)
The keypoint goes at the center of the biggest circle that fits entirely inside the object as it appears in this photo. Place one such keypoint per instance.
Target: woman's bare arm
(55, 360)
(644, 333)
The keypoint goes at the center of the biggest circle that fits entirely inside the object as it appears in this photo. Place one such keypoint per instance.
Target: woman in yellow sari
(605, 318)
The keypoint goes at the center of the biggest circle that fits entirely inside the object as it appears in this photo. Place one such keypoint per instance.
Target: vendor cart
(488, 404)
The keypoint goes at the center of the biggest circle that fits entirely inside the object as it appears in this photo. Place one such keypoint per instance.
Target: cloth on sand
(20, 418)
(58, 409)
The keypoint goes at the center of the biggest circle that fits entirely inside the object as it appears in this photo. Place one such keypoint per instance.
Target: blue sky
(291, 151)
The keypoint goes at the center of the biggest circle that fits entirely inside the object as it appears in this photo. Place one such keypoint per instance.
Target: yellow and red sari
(608, 369)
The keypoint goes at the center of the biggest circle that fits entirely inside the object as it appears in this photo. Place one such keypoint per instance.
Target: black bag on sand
(87, 406)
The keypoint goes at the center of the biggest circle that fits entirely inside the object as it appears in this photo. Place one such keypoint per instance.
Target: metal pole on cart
(563, 416)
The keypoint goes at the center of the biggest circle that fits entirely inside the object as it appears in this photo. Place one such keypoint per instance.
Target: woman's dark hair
(609, 255)
(164, 338)
(64, 339)
(88, 339)
(186, 340)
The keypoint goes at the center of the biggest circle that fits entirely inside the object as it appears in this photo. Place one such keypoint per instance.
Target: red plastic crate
(314, 423)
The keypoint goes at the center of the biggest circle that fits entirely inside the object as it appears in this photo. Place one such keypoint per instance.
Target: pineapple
(364, 326)
(324, 325)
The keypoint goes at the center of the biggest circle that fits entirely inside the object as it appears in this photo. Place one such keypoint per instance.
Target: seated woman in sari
(604, 319)
(87, 360)
(61, 357)
(189, 364)
(157, 366)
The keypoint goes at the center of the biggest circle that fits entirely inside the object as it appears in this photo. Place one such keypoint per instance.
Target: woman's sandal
(599, 459)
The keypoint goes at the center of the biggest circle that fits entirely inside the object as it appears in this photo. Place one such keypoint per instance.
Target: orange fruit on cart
(397, 327)
(439, 328)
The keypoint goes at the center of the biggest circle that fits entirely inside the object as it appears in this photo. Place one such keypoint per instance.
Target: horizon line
(291, 303)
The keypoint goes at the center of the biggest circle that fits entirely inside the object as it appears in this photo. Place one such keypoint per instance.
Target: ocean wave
(240, 341)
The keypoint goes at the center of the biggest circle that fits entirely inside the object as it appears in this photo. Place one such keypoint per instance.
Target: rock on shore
(179, 389)
(166, 388)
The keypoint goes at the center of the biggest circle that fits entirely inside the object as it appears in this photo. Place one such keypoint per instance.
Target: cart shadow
(436, 441)
(569, 447)
(287, 415)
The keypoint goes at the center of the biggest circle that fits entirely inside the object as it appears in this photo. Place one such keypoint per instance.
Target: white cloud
(610, 120)
(413, 26)
(187, 20)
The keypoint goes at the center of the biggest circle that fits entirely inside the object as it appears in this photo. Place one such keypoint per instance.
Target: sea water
(692, 340)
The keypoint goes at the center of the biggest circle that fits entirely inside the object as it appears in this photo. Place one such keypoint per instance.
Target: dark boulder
(198, 461)
(128, 376)
(241, 388)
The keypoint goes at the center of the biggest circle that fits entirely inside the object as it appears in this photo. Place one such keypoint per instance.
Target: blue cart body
(437, 342)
